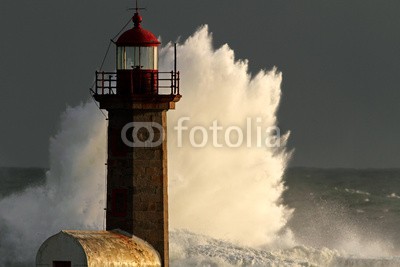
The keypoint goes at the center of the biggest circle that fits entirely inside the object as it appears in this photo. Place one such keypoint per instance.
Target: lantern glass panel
(155, 57)
(131, 57)
(120, 57)
(147, 57)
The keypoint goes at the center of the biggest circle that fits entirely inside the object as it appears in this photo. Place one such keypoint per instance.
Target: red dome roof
(137, 36)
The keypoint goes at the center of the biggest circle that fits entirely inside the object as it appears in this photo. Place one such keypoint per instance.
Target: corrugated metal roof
(115, 248)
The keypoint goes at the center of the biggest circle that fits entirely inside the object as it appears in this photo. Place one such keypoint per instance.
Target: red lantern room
(137, 60)
(137, 48)
(137, 72)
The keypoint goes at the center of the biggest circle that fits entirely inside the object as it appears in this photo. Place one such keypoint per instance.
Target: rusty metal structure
(96, 248)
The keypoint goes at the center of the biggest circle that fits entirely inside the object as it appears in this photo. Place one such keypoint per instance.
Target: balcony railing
(159, 83)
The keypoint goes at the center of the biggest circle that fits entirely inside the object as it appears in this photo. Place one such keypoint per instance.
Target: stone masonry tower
(137, 97)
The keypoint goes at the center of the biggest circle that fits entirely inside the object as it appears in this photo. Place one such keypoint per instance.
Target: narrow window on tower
(119, 199)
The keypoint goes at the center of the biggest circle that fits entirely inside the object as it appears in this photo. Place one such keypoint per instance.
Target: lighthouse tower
(137, 98)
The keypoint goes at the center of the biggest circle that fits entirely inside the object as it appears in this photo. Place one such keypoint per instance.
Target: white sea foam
(393, 195)
(229, 193)
(189, 249)
(73, 197)
(354, 191)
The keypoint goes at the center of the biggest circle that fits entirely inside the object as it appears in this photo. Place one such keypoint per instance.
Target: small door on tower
(61, 264)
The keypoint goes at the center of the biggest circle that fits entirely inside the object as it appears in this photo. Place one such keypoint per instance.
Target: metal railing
(106, 83)
(162, 83)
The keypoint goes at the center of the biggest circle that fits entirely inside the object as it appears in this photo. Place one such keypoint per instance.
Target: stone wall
(137, 181)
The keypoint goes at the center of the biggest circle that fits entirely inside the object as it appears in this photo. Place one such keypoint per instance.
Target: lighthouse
(137, 97)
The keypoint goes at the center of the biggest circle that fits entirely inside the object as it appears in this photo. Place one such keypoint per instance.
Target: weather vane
(137, 8)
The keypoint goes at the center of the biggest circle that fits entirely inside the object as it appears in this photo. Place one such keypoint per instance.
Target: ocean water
(345, 205)
(342, 217)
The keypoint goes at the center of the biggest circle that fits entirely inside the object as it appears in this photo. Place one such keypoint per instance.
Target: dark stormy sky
(340, 62)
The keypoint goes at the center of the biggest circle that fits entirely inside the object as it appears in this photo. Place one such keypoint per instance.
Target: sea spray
(222, 191)
(73, 196)
(227, 193)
